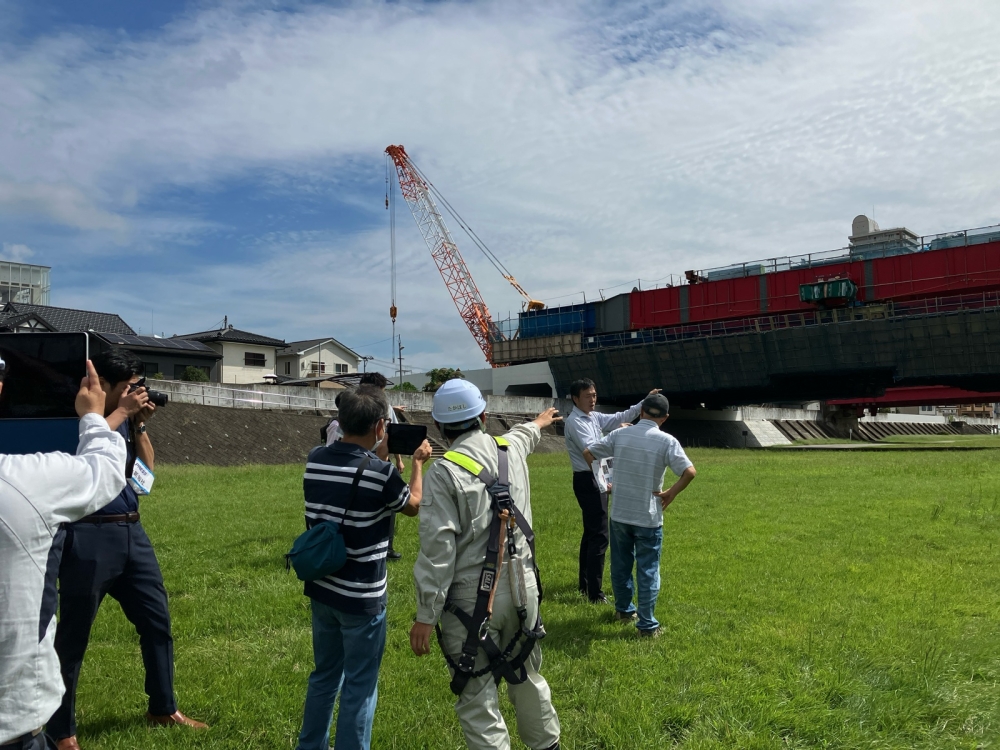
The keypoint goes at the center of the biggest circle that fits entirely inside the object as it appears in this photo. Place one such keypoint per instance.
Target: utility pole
(401, 347)
(364, 363)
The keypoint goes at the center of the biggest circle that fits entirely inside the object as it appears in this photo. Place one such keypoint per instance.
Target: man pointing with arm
(585, 426)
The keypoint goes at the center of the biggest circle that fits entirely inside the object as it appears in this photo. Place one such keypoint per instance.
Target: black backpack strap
(354, 485)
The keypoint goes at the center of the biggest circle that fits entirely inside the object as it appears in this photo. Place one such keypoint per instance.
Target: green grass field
(809, 599)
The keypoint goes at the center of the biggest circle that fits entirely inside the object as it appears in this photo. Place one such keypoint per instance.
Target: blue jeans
(640, 546)
(348, 651)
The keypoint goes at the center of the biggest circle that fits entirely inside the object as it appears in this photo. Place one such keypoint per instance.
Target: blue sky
(195, 160)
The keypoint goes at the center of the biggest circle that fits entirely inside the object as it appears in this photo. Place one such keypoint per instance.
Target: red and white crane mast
(447, 257)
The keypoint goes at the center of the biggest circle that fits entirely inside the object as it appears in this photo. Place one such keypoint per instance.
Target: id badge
(142, 478)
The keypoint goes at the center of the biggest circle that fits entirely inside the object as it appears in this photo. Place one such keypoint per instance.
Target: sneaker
(625, 616)
(654, 633)
(600, 599)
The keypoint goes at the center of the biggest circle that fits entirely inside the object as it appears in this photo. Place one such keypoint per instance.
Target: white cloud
(587, 144)
(17, 253)
(60, 203)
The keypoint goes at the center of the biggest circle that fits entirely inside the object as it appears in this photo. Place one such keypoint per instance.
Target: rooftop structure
(21, 282)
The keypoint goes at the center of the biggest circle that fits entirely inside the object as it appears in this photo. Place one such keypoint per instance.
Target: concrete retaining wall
(195, 434)
(298, 398)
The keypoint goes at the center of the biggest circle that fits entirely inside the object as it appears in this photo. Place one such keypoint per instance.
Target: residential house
(22, 318)
(246, 357)
(159, 355)
(316, 358)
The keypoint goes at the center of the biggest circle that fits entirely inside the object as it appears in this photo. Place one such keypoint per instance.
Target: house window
(254, 359)
(317, 368)
(926, 409)
(149, 369)
(341, 369)
(288, 368)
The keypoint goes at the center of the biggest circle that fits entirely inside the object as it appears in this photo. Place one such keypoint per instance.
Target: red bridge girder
(929, 395)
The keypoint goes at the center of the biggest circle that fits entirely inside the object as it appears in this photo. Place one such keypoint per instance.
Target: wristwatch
(142, 428)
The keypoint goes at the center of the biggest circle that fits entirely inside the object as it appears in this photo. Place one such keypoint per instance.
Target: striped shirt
(643, 453)
(360, 586)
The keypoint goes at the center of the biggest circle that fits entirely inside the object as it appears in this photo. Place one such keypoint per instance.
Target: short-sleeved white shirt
(642, 453)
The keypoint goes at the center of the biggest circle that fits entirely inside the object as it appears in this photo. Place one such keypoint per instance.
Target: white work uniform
(455, 517)
(37, 493)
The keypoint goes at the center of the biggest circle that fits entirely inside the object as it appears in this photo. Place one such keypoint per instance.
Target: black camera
(159, 398)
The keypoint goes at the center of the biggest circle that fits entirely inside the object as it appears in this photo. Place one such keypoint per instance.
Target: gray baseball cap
(656, 405)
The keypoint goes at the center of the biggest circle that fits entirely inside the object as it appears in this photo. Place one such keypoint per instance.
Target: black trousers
(594, 544)
(115, 559)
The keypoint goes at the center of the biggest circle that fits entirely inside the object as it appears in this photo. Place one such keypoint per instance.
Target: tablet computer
(404, 439)
(42, 374)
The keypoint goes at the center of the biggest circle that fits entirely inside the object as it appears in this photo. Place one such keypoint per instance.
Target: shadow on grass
(108, 725)
(575, 636)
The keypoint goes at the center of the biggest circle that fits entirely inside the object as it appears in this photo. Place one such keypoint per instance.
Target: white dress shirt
(642, 452)
(37, 493)
(583, 430)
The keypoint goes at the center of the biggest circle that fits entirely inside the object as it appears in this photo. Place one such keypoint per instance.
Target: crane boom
(445, 252)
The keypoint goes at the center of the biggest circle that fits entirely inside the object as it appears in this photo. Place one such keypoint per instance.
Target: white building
(246, 357)
(24, 283)
(316, 358)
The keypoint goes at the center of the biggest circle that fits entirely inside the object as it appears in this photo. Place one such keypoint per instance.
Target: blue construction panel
(555, 321)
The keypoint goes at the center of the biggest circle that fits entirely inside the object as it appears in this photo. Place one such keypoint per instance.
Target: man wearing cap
(642, 454)
(585, 426)
(457, 519)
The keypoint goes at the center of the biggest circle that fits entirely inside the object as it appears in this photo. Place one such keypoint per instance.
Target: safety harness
(506, 518)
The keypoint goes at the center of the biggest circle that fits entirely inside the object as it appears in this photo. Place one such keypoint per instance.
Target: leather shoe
(174, 719)
(600, 599)
(68, 743)
(393, 555)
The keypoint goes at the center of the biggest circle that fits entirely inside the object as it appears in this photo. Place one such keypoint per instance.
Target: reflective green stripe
(502, 441)
(464, 461)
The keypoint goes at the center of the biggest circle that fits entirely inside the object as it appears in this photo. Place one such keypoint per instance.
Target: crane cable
(462, 223)
(390, 205)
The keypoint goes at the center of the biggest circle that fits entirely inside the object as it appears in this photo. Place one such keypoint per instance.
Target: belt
(23, 740)
(111, 518)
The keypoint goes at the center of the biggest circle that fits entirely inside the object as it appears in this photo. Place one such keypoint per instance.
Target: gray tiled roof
(64, 319)
(233, 335)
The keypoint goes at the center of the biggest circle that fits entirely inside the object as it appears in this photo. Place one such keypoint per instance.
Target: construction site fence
(964, 238)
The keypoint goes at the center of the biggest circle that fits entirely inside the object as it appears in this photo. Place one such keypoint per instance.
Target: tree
(440, 376)
(194, 375)
(406, 387)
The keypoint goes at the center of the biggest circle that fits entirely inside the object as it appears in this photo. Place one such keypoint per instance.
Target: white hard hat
(457, 400)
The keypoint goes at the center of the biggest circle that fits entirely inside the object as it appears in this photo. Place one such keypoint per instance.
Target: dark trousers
(115, 559)
(594, 544)
(39, 741)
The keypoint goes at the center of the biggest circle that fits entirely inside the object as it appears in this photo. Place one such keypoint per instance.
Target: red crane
(417, 191)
